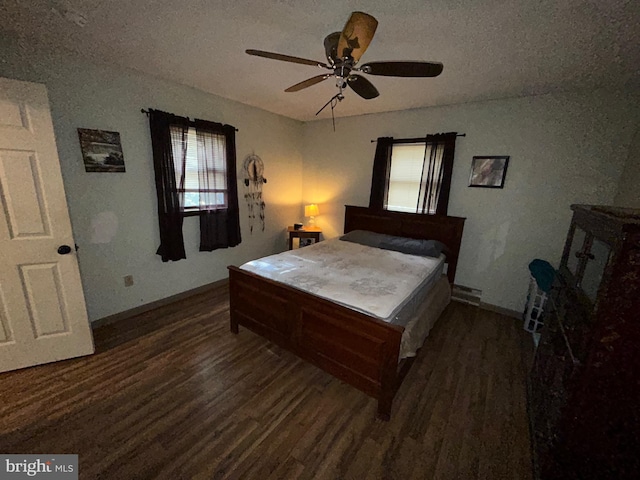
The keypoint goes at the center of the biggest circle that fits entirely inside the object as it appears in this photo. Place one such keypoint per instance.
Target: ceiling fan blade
(308, 82)
(286, 58)
(357, 35)
(362, 87)
(331, 46)
(403, 69)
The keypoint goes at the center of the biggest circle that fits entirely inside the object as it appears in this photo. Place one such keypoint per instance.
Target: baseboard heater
(472, 296)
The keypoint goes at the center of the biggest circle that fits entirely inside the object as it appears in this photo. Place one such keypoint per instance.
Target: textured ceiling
(490, 49)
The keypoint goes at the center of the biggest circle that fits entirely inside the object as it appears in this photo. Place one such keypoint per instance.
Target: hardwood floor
(172, 394)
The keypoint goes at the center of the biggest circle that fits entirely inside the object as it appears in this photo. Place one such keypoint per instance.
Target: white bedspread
(374, 281)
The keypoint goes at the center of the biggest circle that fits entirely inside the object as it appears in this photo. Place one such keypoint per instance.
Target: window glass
(407, 161)
(595, 269)
(208, 190)
(577, 244)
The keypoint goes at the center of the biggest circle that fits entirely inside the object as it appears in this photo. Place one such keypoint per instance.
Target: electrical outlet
(128, 280)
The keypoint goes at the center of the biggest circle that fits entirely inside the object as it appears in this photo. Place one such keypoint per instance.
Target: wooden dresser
(584, 389)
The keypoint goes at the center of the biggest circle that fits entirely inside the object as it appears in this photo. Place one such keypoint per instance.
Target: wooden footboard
(354, 347)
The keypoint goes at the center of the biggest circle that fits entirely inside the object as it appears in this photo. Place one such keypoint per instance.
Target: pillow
(364, 237)
(414, 246)
(411, 246)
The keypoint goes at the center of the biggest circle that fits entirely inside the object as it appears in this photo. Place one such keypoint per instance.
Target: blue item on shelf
(543, 272)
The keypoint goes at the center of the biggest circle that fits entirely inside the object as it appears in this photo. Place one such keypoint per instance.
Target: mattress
(384, 284)
(423, 317)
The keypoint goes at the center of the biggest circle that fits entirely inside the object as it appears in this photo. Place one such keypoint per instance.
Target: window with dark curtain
(218, 186)
(195, 170)
(169, 155)
(413, 175)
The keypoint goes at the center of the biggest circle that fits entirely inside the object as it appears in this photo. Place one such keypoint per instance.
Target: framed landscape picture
(488, 172)
(101, 150)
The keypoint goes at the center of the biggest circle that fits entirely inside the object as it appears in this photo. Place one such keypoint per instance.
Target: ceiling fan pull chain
(333, 118)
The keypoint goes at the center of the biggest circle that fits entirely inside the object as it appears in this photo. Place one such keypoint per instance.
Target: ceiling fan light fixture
(343, 50)
(331, 46)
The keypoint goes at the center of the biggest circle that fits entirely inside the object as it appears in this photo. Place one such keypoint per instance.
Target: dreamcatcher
(254, 169)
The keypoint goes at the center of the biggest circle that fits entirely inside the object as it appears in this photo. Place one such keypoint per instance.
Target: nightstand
(303, 233)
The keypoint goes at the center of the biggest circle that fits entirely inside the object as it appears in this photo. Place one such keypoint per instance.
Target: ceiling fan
(343, 51)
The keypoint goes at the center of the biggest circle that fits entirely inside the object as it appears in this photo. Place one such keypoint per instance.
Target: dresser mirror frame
(592, 230)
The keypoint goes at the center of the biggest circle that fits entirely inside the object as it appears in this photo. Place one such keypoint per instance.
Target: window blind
(202, 187)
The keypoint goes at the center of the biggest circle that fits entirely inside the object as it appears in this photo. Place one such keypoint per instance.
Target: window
(203, 188)
(194, 163)
(413, 175)
(408, 185)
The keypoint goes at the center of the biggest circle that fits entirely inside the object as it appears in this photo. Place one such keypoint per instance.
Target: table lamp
(311, 211)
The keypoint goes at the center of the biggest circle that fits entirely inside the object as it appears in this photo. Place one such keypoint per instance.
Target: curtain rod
(419, 139)
(146, 112)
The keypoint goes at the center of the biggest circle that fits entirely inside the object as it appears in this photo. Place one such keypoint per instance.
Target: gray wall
(629, 188)
(114, 215)
(564, 148)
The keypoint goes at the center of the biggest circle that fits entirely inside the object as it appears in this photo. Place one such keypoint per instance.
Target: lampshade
(311, 210)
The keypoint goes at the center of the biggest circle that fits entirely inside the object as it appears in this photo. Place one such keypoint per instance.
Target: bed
(354, 346)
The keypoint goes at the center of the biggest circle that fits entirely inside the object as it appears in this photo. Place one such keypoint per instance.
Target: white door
(43, 316)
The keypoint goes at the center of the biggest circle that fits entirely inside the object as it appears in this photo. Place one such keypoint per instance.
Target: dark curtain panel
(380, 177)
(445, 152)
(164, 164)
(431, 177)
(437, 168)
(220, 225)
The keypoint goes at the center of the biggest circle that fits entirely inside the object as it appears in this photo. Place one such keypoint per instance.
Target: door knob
(64, 249)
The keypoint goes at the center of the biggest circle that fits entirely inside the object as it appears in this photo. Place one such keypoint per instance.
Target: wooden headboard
(445, 229)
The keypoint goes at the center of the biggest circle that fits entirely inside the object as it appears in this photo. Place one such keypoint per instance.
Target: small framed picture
(488, 172)
(101, 150)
